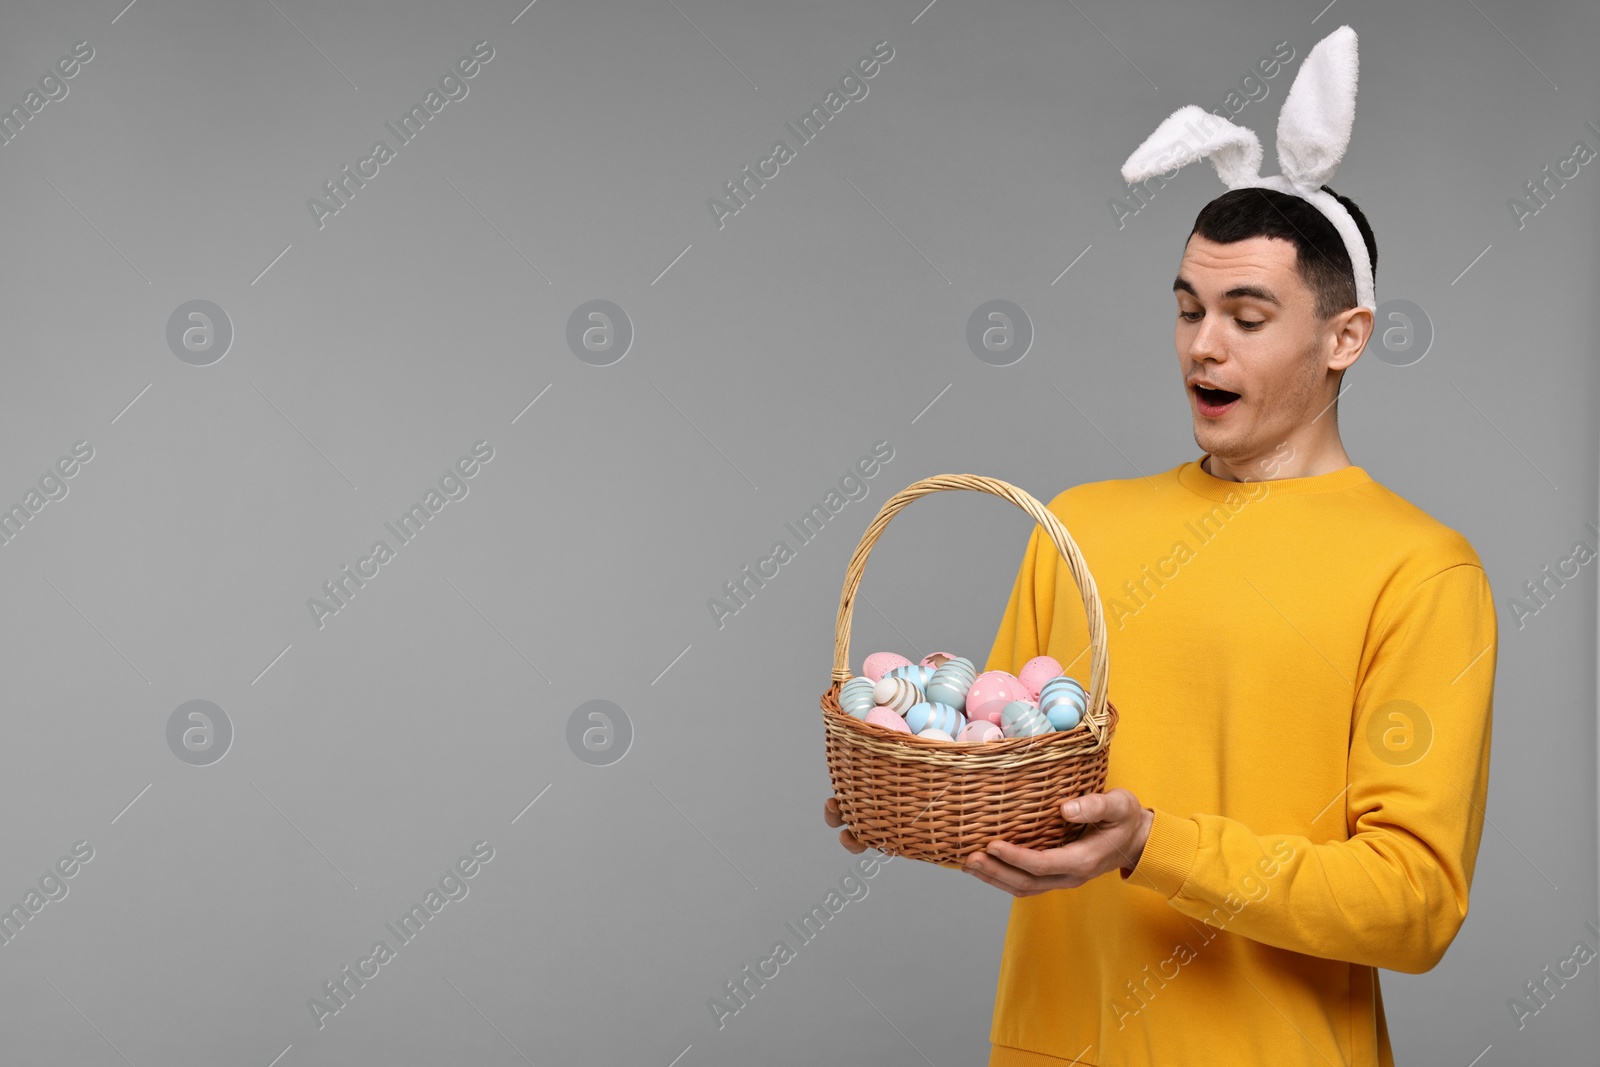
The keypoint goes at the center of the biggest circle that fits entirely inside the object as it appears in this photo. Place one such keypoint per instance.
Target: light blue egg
(927, 715)
(917, 715)
(1061, 684)
(1063, 716)
(946, 690)
(1069, 697)
(855, 697)
(914, 672)
(1063, 701)
(953, 679)
(1021, 719)
(1061, 694)
(956, 668)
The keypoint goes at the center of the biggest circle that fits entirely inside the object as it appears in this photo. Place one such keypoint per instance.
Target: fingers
(833, 817)
(830, 812)
(1041, 862)
(1002, 875)
(1116, 806)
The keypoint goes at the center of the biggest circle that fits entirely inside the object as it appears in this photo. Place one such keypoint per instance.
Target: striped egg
(959, 668)
(1021, 719)
(1063, 701)
(913, 671)
(1064, 715)
(950, 683)
(927, 715)
(947, 691)
(896, 694)
(855, 697)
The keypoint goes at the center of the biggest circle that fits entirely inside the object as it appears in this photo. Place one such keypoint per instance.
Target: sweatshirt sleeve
(1394, 894)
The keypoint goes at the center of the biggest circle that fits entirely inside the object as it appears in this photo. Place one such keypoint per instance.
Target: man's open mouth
(1214, 401)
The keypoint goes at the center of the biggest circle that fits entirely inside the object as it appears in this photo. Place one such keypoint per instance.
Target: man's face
(1247, 325)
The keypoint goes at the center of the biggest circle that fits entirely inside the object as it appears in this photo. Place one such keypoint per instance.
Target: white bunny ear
(1314, 125)
(1191, 133)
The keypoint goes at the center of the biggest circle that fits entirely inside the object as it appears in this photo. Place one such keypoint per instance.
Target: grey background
(370, 754)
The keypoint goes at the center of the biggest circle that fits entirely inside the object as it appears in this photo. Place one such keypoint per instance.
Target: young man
(1303, 665)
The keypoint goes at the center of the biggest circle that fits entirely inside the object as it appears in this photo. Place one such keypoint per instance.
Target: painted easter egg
(946, 691)
(1022, 719)
(855, 697)
(1036, 672)
(980, 730)
(878, 664)
(937, 659)
(933, 733)
(887, 719)
(937, 716)
(1063, 717)
(913, 671)
(991, 691)
(896, 694)
(950, 683)
(1063, 701)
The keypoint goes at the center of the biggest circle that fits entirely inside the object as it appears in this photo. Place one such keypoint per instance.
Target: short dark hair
(1320, 256)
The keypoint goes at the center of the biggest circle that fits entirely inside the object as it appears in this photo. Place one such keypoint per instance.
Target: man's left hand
(1114, 838)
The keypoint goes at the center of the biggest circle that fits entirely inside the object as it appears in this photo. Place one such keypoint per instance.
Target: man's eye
(1185, 315)
(1248, 325)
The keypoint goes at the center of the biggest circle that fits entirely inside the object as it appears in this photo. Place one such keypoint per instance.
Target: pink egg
(980, 730)
(888, 720)
(937, 659)
(1036, 672)
(990, 693)
(879, 664)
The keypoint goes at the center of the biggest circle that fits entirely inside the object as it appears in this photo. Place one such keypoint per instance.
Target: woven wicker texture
(940, 801)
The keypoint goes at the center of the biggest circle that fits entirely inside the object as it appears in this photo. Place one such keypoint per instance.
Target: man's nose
(1205, 342)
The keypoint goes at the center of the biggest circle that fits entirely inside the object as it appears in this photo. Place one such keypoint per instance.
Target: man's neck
(1298, 463)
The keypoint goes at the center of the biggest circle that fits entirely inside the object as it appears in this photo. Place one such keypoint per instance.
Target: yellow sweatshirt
(1303, 670)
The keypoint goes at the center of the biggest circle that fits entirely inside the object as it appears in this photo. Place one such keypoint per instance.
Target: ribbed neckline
(1194, 477)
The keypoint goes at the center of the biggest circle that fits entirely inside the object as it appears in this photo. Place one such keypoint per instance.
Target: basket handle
(1095, 714)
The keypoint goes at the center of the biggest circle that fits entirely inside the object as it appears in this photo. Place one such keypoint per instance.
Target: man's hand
(830, 813)
(1115, 837)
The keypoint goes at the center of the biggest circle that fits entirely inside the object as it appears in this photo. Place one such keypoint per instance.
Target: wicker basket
(941, 801)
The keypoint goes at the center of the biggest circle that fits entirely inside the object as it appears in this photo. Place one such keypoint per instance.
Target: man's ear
(1350, 330)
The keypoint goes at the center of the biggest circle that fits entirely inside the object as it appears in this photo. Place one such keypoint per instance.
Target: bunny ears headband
(1313, 132)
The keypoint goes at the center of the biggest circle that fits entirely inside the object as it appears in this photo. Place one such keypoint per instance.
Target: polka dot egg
(990, 693)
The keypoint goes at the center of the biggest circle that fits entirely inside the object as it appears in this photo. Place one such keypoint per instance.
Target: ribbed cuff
(1169, 854)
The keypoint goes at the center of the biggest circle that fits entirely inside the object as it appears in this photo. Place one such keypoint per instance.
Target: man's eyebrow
(1237, 292)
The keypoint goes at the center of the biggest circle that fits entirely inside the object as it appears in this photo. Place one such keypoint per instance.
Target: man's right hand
(830, 812)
